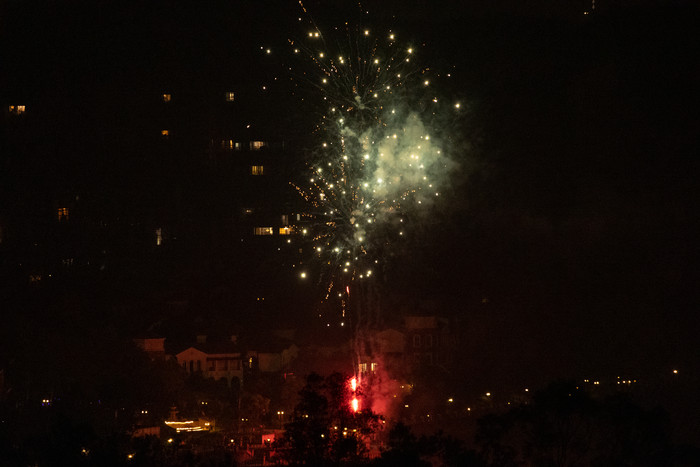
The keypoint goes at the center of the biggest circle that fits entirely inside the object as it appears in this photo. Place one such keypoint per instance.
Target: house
(153, 346)
(430, 340)
(271, 353)
(217, 360)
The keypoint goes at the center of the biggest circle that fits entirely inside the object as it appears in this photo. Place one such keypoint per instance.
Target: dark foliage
(324, 430)
(565, 427)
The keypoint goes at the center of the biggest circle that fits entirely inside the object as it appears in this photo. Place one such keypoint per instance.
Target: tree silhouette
(565, 427)
(324, 430)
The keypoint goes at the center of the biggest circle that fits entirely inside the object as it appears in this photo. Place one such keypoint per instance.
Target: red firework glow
(355, 403)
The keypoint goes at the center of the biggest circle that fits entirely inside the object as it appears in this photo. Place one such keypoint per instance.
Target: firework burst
(377, 160)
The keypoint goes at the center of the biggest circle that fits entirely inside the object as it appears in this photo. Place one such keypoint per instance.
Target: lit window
(167, 97)
(248, 211)
(363, 367)
(159, 236)
(231, 144)
(256, 169)
(257, 145)
(230, 96)
(62, 214)
(285, 231)
(264, 231)
(17, 109)
(164, 133)
(373, 366)
(285, 219)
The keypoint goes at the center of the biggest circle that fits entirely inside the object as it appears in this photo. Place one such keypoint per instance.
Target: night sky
(567, 241)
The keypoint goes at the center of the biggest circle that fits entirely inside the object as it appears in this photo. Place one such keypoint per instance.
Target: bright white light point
(311, 34)
(319, 170)
(393, 111)
(388, 87)
(394, 136)
(400, 233)
(345, 157)
(435, 99)
(312, 180)
(398, 75)
(321, 55)
(427, 137)
(410, 51)
(391, 36)
(347, 263)
(369, 273)
(268, 51)
(324, 81)
(379, 180)
(376, 60)
(457, 105)
(366, 32)
(296, 51)
(303, 275)
(359, 239)
(366, 156)
(315, 34)
(304, 232)
(325, 145)
(375, 95)
(318, 248)
(426, 82)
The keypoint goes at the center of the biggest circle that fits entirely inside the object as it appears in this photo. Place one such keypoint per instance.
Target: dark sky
(570, 238)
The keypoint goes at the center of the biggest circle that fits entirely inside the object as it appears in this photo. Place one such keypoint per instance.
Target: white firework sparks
(377, 161)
